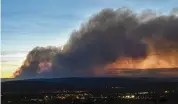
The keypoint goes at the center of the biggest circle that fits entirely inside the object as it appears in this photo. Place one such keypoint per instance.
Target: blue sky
(30, 23)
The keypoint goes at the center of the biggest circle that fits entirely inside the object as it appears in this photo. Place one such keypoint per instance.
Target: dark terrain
(111, 88)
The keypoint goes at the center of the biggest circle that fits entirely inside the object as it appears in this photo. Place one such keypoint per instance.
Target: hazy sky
(30, 23)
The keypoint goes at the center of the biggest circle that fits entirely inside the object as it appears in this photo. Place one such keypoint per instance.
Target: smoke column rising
(111, 40)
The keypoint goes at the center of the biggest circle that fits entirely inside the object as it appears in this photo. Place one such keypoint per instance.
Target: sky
(30, 23)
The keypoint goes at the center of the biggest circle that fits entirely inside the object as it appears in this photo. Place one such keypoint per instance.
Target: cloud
(37, 60)
(107, 37)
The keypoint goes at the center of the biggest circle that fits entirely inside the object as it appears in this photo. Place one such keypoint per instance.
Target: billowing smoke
(38, 63)
(107, 37)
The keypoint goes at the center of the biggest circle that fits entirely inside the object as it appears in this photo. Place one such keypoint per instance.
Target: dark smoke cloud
(107, 36)
(101, 41)
(31, 67)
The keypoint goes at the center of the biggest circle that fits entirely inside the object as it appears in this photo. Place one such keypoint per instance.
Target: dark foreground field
(91, 91)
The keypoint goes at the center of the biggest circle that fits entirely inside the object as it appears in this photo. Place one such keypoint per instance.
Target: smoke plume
(38, 63)
(112, 39)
